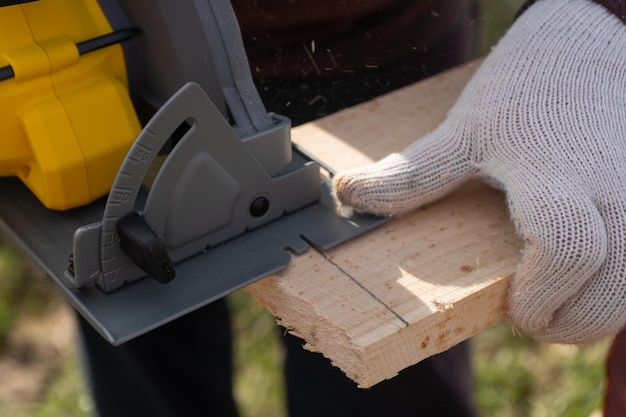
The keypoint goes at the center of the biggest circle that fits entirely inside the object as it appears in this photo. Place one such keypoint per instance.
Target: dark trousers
(439, 387)
(181, 369)
(184, 369)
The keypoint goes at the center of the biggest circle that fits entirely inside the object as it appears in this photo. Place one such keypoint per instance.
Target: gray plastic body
(199, 41)
(233, 155)
(203, 194)
(195, 41)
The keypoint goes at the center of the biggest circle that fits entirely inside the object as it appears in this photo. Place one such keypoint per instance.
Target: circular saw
(211, 194)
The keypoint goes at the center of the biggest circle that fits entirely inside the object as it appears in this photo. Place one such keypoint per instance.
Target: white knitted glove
(544, 119)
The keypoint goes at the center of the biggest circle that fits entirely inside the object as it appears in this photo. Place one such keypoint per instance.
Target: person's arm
(544, 118)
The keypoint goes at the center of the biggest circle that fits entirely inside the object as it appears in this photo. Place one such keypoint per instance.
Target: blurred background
(40, 375)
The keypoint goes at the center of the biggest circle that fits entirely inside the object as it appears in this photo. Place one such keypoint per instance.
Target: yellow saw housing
(66, 120)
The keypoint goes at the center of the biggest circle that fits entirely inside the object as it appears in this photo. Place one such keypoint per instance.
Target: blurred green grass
(517, 377)
(514, 376)
(495, 18)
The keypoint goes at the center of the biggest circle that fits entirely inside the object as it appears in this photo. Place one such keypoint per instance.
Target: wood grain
(420, 284)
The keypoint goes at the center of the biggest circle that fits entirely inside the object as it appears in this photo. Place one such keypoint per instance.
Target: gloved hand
(544, 119)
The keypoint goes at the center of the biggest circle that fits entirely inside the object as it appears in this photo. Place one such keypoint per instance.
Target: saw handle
(145, 248)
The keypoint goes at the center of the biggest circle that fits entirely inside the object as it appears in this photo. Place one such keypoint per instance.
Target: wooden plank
(414, 287)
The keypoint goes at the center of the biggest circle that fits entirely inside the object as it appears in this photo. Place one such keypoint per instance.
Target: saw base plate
(144, 305)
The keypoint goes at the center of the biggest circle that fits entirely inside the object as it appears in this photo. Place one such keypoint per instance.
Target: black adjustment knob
(145, 247)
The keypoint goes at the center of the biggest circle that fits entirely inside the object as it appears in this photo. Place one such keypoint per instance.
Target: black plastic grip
(145, 248)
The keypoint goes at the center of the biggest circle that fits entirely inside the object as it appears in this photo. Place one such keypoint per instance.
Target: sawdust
(442, 305)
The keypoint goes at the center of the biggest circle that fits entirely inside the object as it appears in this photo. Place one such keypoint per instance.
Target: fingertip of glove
(345, 211)
(341, 209)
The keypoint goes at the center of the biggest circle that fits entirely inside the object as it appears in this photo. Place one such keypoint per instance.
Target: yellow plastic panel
(68, 120)
(14, 31)
(110, 129)
(28, 62)
(15, 36)
(61, 52)
(59, 178)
